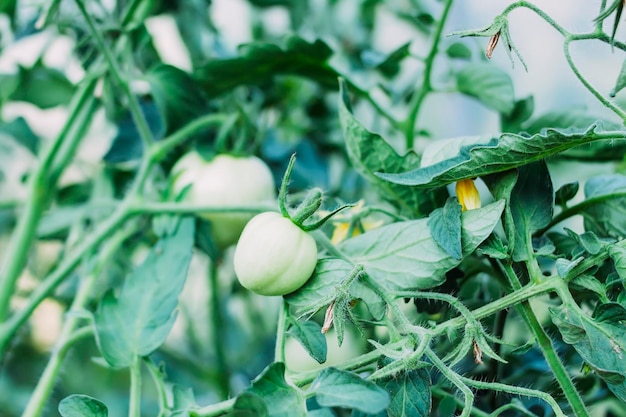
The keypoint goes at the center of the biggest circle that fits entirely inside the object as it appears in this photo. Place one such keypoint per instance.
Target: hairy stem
(547, 348)
(40, 186)
(161, 148)
(538, 12)
(217, 331)
(426, 88)
(511, 389)
(157, 378)
(134, 405)
(133, 104)
(521, 295)
(279, 351)
(212, 410)
(45, 384)
(455, 379)
(594, 91)
(67, 338)
(459, 403)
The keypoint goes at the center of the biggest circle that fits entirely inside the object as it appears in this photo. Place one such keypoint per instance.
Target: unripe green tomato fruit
(273, 255)
(225, 180)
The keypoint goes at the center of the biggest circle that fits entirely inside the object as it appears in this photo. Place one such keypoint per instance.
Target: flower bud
(468, 195)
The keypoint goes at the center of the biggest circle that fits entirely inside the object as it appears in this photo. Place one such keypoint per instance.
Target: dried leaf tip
(328, 318)
(478, 354)
(493, 41)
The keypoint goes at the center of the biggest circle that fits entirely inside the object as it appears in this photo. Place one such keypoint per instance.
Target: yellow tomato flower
(340, 232)
(343, 221)
(468, 195)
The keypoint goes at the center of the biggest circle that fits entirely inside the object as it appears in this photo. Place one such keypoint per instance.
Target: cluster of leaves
(442, 295)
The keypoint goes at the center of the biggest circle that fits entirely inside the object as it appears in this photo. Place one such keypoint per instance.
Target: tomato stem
(282, 193)
(217, 326)
(279, 352)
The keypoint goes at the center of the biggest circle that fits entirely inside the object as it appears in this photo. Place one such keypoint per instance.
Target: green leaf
(591, 243)
(571, 118)
(531, 206)
(488, 84)
(310, 336)
(321, 412)
(57, 221)
(447, 406)
(618, 7)
(337, 388)
(82, 406)
(319, 290)
(601, 344)
(501, 186)
(564, 266)
(618, 255)
(250, 405)
(458, 50)
(401, 256)
(566, 193)
(440, 150)
(499, 154)
(260, 62)
(607, 218)
(271, 3)
(278, 397)
(494, 248)
(8, 7)
(410, 394)
(178, 97)
(577, 118)
(183, 399)
(44, 87)
(612, 312)
(391, 65)
(127, 145)
(620, 83)
(521, 112)
(9, 83)
(543, 246)
(136, 323)
(21, 132)
(589, 283)
(370, 153)
(405, 256)
(445, 227)
(563, 243)
(572, 333)
(375, 304)
(608, 11)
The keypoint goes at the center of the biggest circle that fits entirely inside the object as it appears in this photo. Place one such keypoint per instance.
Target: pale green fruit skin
(273, 255)
(225, 180)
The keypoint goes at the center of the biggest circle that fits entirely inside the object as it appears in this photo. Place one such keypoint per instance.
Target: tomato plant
(448, 239)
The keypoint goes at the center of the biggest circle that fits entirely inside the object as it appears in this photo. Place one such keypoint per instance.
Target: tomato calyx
(308, 207)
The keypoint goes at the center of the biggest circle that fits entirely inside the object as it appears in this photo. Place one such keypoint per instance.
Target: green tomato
(225, 180)
(273, 255)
